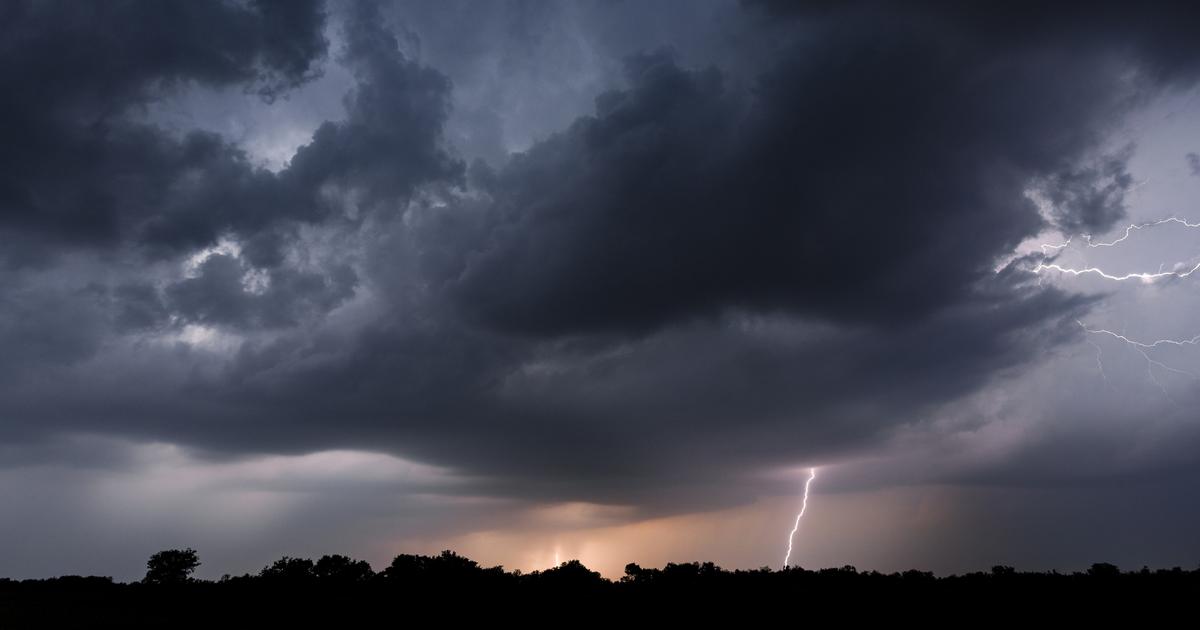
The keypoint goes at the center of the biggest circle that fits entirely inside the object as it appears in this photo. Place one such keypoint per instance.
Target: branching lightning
(812, 474)
(1128, 231)
(1144, 276)
(1154, 366)
(1141, 344)
(1100, 362)
(1181, 270)
(1143, 348)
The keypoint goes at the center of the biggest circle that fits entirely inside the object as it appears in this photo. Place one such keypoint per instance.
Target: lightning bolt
(1144, 276)
(1100, 362)
(1154, 367)
(1141, 344)
(812, 474)
(1143, 348)
(1181, 270)
(1134, 227)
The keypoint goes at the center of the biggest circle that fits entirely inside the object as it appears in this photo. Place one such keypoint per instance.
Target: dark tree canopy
(340, 591)
(291, 569)
(171, 566)
(342, 569)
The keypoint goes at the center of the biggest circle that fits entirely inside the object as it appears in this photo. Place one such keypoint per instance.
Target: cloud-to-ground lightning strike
(812, 474)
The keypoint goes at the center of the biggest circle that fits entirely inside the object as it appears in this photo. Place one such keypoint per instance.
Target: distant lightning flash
(1100, 363)
(1154, 367)
(1142, 275)
(1181, 270)
(1142, 344)
(1143, 348)
(812, 474)
(1128, 231)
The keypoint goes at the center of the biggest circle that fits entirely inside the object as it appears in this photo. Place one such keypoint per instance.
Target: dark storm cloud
(860, 196)
(391, 140)
(94, 58)
(75, 171)
(47, 327)
(81, 170)
(875, 174)
(523, 70)
(139, 306)
(716, 270)
(590, 416)
(680, 419)
(1193, 162)
(1089, 199)
(219, 295)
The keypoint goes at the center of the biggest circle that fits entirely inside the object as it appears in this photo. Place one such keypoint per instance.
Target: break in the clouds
(644, 258)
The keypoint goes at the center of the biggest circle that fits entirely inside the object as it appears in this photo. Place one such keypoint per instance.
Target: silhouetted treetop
(171, 566)
(289, 569)
(447, 566)
(342, 569)
(1104, 570)
(568, 575)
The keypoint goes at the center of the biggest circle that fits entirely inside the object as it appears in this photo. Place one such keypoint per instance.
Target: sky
(604, 280)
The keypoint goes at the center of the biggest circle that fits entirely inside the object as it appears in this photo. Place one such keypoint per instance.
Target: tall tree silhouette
(171, 566)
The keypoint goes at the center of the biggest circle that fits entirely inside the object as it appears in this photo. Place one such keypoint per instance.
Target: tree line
(337, 589)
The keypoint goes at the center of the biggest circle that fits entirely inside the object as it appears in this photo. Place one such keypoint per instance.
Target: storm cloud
(770, 235)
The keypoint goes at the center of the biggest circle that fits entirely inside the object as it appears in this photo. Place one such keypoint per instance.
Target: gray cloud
(77, 171)
(218, 295)
(643, 233)
(734, 202)
(796, 244)
(1091, 198)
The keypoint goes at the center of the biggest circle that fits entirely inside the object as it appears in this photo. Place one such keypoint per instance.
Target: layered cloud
(799, 245)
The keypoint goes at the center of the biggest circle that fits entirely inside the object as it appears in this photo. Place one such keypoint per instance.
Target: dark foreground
(448, 589)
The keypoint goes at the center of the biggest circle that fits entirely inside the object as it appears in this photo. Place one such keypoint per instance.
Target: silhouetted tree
(342, 569)
(171, 566)
(913, 575)
(289, 569)
(1104, 569)
(570, 575)
(445, 568)
(405, 567)
(450, 564)
(633, 573)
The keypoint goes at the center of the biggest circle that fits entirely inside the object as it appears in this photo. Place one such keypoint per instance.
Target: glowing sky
(600, 280)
